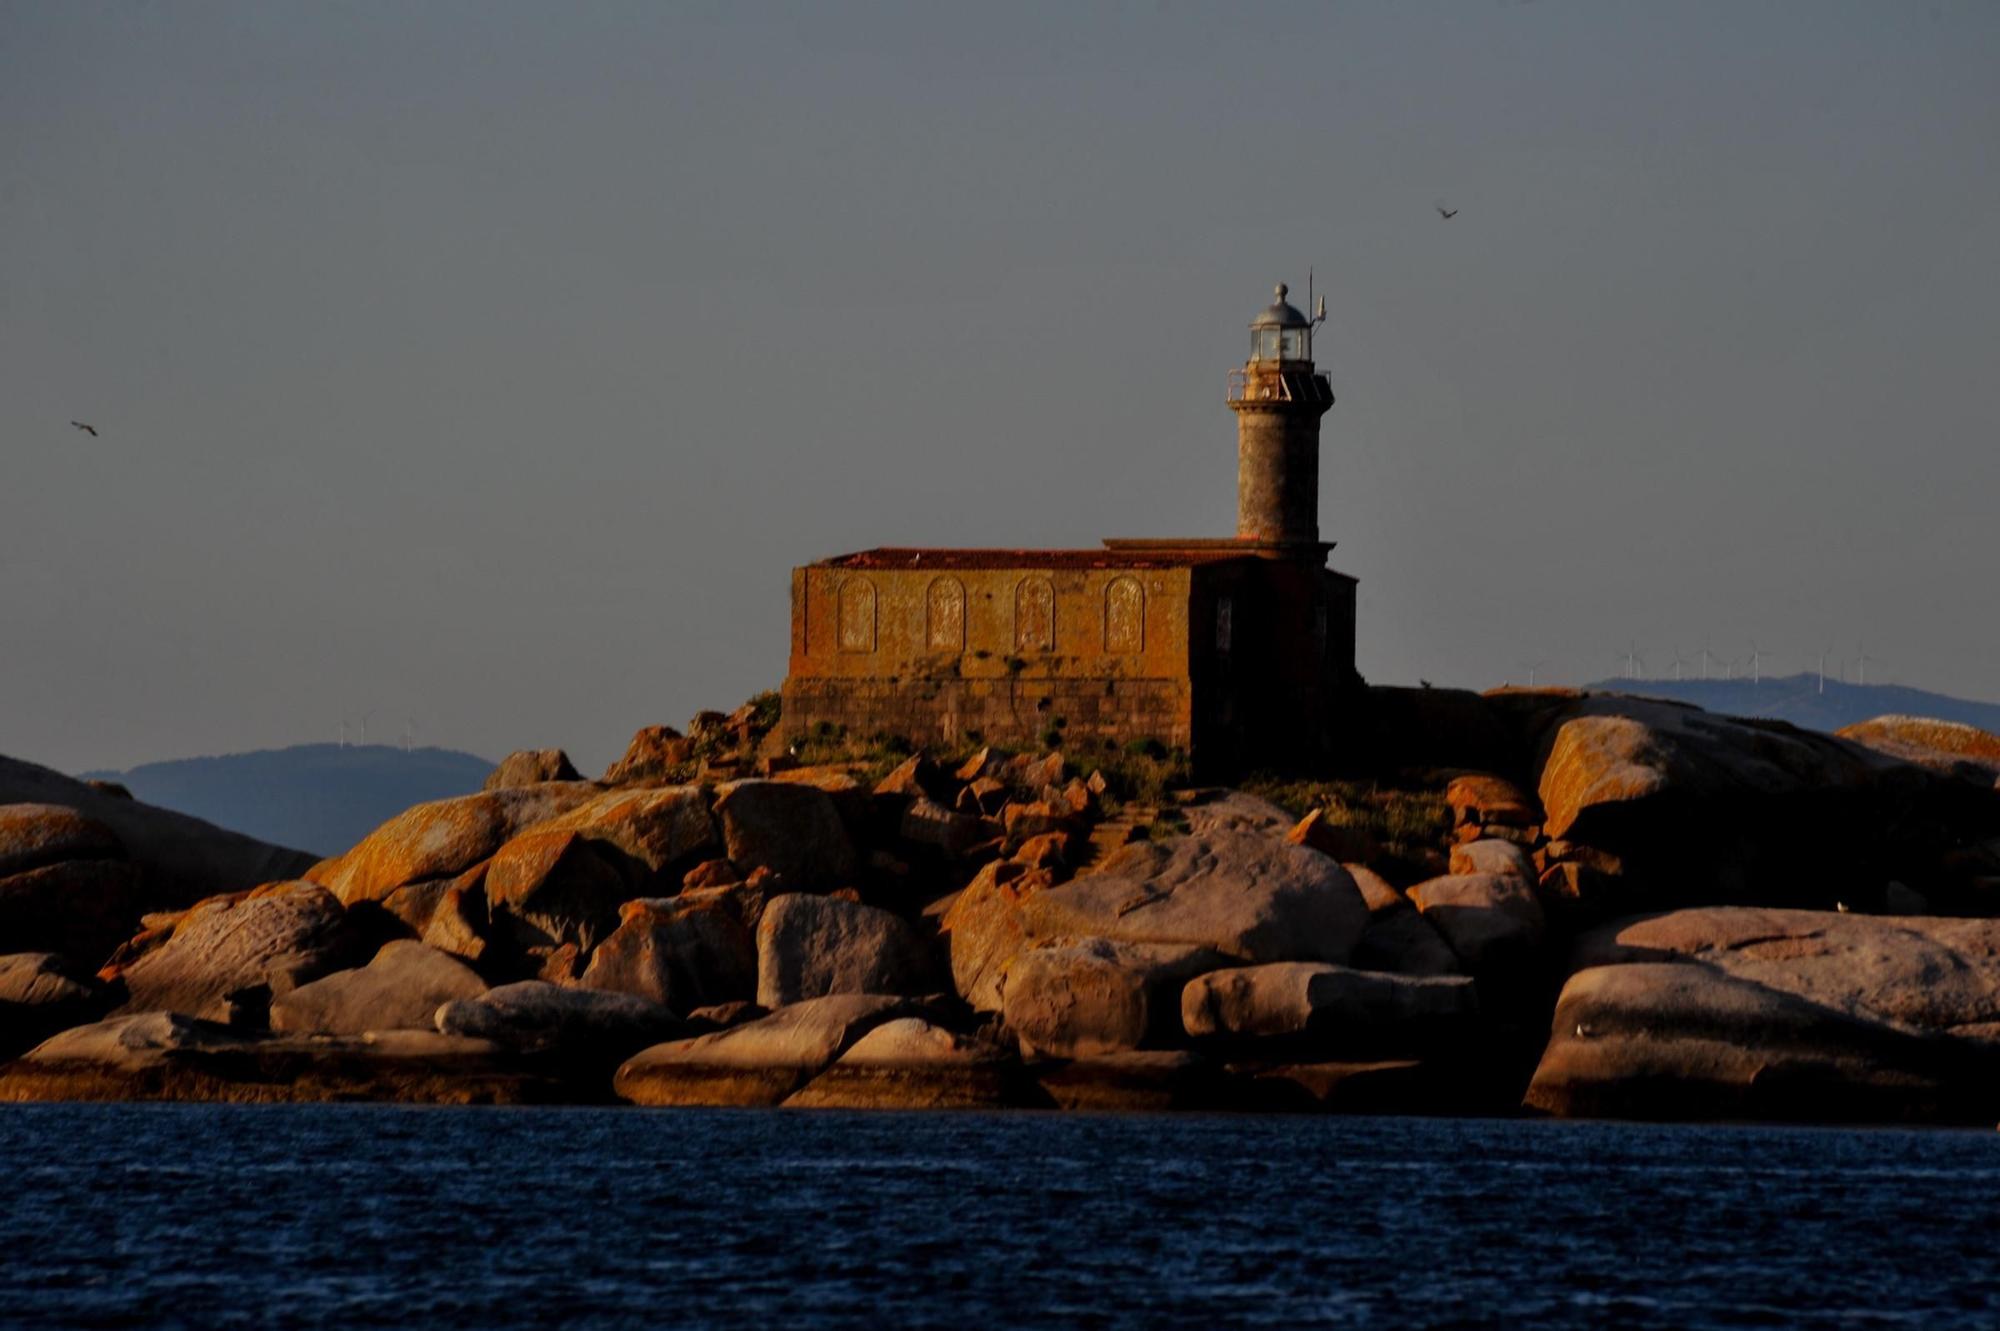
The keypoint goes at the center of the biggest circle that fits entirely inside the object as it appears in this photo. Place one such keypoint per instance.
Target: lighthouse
(1278, 397)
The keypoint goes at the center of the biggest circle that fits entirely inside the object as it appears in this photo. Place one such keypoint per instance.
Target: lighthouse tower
(1278, 398)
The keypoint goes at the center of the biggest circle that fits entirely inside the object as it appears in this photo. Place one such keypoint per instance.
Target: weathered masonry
(1237, 649)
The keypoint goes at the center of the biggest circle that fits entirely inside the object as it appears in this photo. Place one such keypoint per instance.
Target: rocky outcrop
(1930, 974)
(811, 946)
(761, 1062)
(1098, 996)
(531, 767)
(1779, 1014)
(791, 829)
(442, 839)
(82, 908)
(171, 1056)
(1948, 747)
(909, 1063)
(401, 989)
(687, 952)
(1676, 1041)
(1328, 1007)
(180, 859)
(269, 942)
(40, 994)
(581, 1025)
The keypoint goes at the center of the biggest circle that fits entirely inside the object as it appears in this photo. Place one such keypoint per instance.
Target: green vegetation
(1409, 823)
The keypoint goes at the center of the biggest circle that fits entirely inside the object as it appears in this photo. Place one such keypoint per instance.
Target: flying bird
(90, 430)
(1446, 213)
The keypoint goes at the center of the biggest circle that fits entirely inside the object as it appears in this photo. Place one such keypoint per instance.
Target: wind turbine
(1756, 664)
(1634, 663)
(1823, 653)
(1680, 663)
(364, 726)
(343, 733)
(1861, 660)
(1531, 667)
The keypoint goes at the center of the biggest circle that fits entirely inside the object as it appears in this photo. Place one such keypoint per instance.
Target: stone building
(1237, 649)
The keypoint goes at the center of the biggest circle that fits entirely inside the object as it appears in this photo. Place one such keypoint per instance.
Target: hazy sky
(490, 365)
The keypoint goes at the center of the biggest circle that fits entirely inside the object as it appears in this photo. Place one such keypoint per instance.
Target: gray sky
(491, 364)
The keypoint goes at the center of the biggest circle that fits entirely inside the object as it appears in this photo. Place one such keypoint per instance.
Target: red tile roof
(886, 557)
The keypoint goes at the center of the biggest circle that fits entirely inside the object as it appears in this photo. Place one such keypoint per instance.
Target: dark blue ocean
(369, 1216)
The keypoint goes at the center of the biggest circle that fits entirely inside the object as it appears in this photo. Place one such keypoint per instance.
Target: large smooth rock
(276, 938)
(180, 859)
(1241, 892)
(548, 887)
(909, 1063)
(400, 989)
(581, 1024)
(531, 767)
(1099, 996)
(171, 1056)
(1950, 747)
(1679, 807)
(40, 994)
(793, 830)
(809, 947)
(1673, 1040)
(1488, 919)
(761, 1062)
(686, 952)
(1922, 973)
(443, 838)
(1329, 1006)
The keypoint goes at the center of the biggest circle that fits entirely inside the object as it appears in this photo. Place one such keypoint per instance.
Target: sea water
(372, 1216)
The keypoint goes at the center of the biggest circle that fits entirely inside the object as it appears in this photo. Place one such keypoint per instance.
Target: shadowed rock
(180, 859)
(1488, 919)
(793, 830)
(1333, 1007)
(401, 989)
(548, 887)
(531, 767)
(40, 994)
(1098, 996)
(810, 946)
(171, 1056)
(275, 938)
(1686, 1041)
(581, 1024)
(685, 952)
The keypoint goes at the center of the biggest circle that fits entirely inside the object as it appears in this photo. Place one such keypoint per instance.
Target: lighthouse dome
(1280, 313)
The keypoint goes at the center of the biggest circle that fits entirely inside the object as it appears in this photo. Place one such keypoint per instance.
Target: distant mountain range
(1799, 700)
(320, 798)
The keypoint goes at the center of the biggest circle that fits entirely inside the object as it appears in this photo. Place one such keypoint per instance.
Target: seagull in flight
(1446, 213)
(90, 430)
